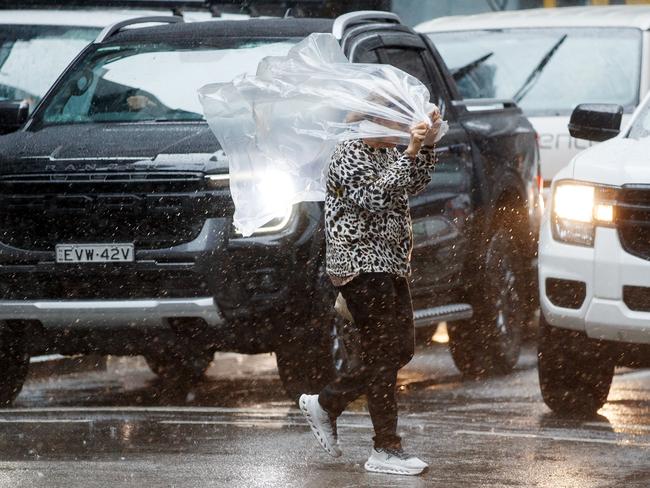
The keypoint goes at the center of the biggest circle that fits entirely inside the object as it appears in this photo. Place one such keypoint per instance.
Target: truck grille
(102, 282)
(633, 220)
(153, 211)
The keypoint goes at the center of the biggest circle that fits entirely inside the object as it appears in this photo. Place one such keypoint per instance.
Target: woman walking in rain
(369, 241)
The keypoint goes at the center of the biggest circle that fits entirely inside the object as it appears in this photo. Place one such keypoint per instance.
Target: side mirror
(13, 114)
(596, 121)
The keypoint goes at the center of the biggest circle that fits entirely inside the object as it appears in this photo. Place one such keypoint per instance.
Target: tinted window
(367, 57)
(151, 82)
(411, 61)
(581, 65)
(32, 57)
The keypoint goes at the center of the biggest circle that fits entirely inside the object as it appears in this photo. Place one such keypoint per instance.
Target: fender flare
(509, 187)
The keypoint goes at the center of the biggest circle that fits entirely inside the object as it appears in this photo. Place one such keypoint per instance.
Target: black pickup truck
(116, 232)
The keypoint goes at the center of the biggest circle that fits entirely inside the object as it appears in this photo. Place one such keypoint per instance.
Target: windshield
(144, 82)
(546, 71)
(33, 56)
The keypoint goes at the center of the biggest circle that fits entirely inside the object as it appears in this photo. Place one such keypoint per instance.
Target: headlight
(275, 193)
(276, 224)
(577, 210)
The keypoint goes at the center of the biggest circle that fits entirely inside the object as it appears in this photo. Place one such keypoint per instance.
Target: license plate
(95, 253)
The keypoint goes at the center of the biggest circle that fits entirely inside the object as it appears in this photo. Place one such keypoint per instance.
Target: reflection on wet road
(123, 427)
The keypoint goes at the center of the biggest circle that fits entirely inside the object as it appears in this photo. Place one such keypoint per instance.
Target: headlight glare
(574, 202)
(604, 213)
(573, 214)
(578, 209)
(274, 191)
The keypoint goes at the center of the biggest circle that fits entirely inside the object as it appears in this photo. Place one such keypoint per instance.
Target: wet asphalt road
(122, 427)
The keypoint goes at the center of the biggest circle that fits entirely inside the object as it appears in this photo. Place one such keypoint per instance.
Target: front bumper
(229, 282)
(605, 270)
(111, 313)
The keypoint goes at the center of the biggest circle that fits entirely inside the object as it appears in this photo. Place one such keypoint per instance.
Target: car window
(411, 61)
(546, 71)
(32, 57)
(133, 83)
(367, 56)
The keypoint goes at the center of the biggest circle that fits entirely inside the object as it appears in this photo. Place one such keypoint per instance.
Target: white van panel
(556, 146)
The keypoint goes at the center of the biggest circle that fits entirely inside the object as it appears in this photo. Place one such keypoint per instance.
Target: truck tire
(306, 366)
(307, 355)
(179, 367)
(490, 341)
(575, 372)
(14, 363)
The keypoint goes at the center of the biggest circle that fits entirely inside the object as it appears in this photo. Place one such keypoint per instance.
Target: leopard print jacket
(367, 216)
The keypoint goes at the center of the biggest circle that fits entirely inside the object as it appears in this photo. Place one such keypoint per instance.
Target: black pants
(378, 343)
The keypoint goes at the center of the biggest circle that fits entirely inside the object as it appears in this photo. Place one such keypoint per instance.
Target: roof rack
(118, 26)
(345, 21)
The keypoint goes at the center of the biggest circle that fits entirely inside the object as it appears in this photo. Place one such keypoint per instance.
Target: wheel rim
(503, 287)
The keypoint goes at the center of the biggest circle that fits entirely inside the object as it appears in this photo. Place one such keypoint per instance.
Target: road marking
(609, 426)
(250, 411)
(238, 423)
(253, 423)
(622, 443)
(45, 421)
(283, 411)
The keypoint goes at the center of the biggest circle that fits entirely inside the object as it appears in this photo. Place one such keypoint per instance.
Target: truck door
(442, 211)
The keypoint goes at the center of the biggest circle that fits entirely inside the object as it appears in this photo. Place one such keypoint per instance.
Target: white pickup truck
(548, 61)
(594, 261)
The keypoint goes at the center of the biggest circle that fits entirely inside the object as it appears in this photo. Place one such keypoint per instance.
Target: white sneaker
(321, 425)
(394, 461)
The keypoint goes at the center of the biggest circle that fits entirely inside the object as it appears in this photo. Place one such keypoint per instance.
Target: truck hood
(618, 161)
(112, 147)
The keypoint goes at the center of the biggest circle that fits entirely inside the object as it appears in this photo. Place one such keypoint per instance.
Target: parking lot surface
(122, 427)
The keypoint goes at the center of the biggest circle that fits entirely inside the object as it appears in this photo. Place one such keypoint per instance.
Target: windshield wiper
(459, 73)
(534, 75)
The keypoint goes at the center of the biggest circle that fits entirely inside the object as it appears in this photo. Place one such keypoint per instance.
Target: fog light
(566, 293)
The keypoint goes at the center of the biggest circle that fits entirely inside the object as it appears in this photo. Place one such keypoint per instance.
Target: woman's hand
(434, 129)
(424, 134)
(418, 135)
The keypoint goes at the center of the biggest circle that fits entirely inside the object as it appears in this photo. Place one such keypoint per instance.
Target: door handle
(457, 149)
(460, 148)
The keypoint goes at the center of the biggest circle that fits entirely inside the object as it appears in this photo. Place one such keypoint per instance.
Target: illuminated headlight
(577, 210)
(277, 224)
(275, 193)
